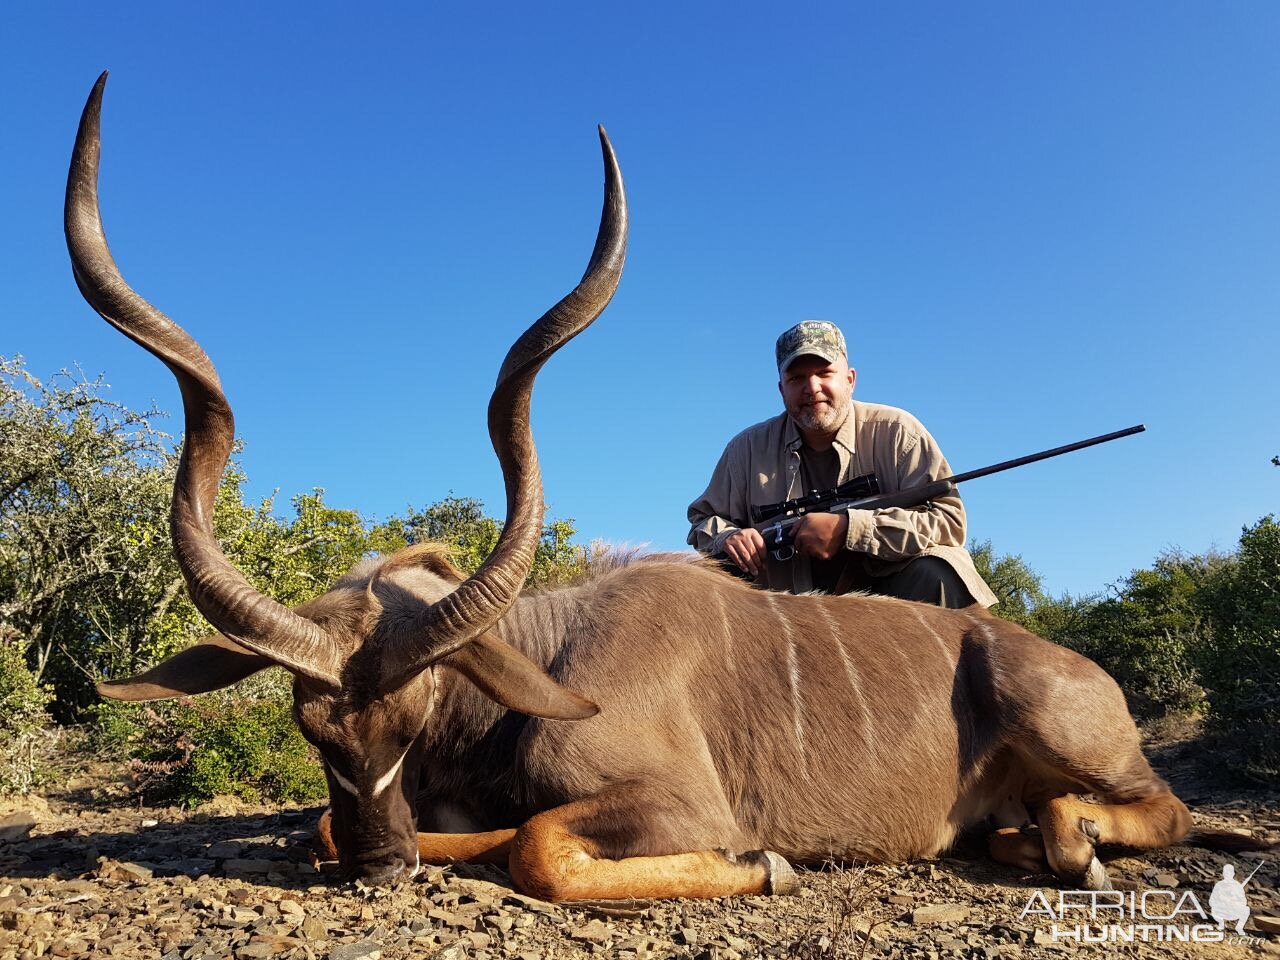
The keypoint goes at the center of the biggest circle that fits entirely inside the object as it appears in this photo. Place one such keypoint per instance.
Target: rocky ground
(84, 874)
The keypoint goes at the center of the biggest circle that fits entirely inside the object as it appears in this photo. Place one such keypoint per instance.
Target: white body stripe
(942, 645)
(793, 677)
(855, 683)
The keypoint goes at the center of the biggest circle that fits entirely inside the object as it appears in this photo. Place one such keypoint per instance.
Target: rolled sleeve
(862, 529)
(710, 515)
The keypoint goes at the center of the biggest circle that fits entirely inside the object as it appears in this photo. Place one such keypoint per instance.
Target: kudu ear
(213, 663)
(507, 676)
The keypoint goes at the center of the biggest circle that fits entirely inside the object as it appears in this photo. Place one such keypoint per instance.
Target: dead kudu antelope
(731, 723)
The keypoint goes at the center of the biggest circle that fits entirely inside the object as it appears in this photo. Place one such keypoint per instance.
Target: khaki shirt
(762, 465)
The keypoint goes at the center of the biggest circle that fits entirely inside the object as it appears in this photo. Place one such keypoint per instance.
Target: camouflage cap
(819, 338)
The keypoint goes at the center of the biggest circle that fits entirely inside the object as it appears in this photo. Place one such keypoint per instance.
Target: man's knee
(927, 580)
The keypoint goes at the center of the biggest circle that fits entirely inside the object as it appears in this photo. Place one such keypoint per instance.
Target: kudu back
(659, 729)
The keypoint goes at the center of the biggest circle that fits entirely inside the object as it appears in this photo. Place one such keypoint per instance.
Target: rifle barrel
(1046, 454)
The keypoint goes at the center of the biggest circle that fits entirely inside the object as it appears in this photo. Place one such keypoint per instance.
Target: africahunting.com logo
(1125, 916)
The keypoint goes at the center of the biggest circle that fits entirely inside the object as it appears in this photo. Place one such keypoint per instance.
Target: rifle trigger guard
(781, 551)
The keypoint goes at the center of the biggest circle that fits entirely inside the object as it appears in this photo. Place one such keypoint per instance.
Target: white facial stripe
(385, 780)
(343, 782)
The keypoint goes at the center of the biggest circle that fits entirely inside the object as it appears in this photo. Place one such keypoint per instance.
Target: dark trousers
(924, 579)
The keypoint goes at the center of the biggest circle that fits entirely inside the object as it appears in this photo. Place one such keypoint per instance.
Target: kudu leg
(1019, 848)
(1075, 736)
(1137, 810)
(442, 849)
(1071, 827)
(554, 857)
(439, 849)
(322, 844)
(1016, 840)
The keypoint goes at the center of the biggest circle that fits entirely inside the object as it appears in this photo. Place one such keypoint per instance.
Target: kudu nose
(382, 873)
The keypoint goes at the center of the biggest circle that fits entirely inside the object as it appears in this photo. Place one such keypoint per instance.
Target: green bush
(190, 750)
(1240, 664)
(1149, 632)
(1017, 587)
(23, 720)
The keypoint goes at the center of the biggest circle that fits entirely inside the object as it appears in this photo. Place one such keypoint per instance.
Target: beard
(827, 420)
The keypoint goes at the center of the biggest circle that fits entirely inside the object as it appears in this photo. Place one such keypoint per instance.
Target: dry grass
(850, 895)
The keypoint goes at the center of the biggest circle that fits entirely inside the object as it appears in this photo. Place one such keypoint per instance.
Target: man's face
(816, 392)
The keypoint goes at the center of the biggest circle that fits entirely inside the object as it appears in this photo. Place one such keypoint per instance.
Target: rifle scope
(867, 485)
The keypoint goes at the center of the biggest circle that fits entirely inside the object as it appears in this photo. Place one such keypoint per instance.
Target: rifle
(1250, 876)
(777, 521)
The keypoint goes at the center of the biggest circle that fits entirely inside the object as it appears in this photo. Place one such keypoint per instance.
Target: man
(825, 438)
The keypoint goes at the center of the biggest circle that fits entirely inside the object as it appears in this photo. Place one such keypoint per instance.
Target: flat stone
(313, 928)
(237, 865)
(124, 870)
(1267, 924)
(500, 922)
(224, 849)
(16, 826)
(69, 948)
(360, 950)
(480, 890)
(594, 932)
(529, 903)
(450, 919)
(940, 913)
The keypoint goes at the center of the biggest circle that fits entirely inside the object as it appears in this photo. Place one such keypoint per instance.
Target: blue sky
(1034, 222)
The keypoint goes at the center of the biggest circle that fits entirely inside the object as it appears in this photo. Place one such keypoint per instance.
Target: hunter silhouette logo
(1228, 903)
(1160, 915)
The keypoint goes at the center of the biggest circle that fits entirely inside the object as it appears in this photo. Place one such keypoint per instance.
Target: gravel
(85, 875)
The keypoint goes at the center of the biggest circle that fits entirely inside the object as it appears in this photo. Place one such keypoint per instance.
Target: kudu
(735, 729)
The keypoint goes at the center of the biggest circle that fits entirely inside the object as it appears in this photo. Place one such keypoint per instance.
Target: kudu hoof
(1095, 877)
(782, 879)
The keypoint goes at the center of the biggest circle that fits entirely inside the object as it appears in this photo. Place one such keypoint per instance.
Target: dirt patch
(87, 874)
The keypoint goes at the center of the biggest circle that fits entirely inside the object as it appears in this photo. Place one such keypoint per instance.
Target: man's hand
(822, 535)
(746, 549)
